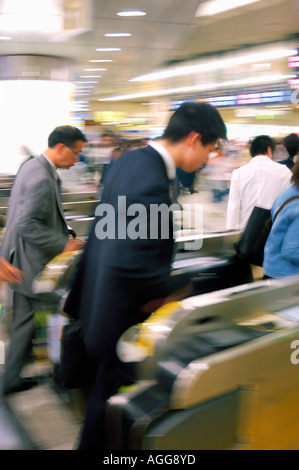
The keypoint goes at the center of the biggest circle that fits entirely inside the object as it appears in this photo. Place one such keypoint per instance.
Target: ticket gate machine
(212, 267)
(215, 371)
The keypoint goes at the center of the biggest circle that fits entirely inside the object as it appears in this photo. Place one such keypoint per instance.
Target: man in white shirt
(257, 183)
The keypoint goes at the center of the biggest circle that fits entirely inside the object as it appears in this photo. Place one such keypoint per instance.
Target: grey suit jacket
(36, 230)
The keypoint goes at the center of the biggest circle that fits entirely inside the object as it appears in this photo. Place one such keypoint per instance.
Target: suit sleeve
(33, 219)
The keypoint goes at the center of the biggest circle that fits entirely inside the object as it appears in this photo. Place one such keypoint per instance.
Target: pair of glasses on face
(213, 155)
(75, 153)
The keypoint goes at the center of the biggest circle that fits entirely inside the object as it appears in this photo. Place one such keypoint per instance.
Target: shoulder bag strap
(284, 204)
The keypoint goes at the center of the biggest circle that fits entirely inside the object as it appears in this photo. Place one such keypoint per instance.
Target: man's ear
(269, 153)
(59, 147)
(193, 138)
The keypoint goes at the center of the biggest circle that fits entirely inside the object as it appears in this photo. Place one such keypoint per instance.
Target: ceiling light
(108, 49)
(262, 66)
(101, 60)
(131, 13)
(5, 38)
(214, 7)
(216, 64)
(93, 70)
(204, 87)
(90, 76)
(117, 35)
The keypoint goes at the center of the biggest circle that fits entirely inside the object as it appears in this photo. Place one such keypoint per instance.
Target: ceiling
(170, 33)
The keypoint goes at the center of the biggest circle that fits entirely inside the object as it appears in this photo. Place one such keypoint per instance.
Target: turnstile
(215, 371)
(207, 271)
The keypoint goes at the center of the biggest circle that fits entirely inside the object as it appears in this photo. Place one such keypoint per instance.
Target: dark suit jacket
(118, 275)
(36, 230)
(289, 162)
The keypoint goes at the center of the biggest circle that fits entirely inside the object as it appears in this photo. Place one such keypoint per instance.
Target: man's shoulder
(32, 164)
(262, 161)
(242, 169)
(143, 156)
(32, 173)
(282, 170)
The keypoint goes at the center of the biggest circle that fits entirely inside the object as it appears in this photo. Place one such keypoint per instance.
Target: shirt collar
(168, 160)
(52, 166)
(260, 157)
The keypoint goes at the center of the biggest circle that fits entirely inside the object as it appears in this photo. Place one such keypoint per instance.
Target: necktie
(58, 184)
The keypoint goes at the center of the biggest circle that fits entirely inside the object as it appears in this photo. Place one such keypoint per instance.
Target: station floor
(45, 419)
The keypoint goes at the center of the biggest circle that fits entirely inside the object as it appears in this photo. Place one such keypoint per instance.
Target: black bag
(250, 247)
(76, 369)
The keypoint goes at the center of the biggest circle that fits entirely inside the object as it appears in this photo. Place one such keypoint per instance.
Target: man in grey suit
(36, 232)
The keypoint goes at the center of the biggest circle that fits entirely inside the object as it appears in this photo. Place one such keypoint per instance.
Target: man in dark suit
(124, 274)
(291, 143)
(36, 231)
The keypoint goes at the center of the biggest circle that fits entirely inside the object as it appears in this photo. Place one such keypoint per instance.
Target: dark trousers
(116, 317)
(111, 375)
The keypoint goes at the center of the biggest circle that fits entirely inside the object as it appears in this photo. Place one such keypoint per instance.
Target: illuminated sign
(294, 61)
(246, 98)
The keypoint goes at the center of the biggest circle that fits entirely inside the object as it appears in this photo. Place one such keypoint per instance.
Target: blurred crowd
(101, 151)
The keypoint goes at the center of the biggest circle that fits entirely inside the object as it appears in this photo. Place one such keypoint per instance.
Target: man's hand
(9, 273)
(180, 294)
(74, 245)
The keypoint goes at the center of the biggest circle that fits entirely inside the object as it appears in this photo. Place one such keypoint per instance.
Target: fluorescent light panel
(216, 64)
(131, 13)
(117, 35)
(203, 87)
(108, 49)
(215, 7)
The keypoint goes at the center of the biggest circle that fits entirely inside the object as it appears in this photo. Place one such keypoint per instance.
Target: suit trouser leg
(20, 340)
(111, 374)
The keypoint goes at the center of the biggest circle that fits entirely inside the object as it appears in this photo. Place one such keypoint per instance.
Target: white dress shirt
(52, 166)
(168, 160)
(257, 183)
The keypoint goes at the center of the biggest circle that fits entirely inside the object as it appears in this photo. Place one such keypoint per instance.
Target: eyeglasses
(213, 155)
(75, 153)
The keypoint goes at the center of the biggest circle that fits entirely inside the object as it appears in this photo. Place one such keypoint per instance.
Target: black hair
(260, 145)
(66, 135)
(291, 143)
(202, 118)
